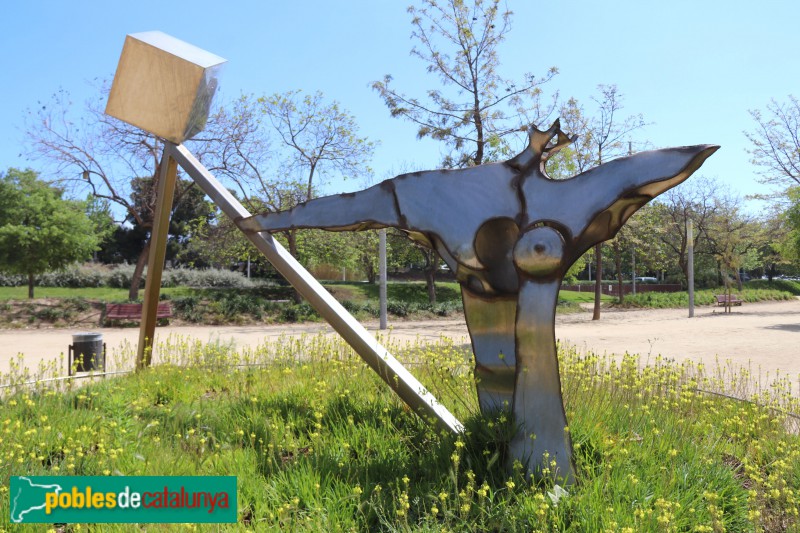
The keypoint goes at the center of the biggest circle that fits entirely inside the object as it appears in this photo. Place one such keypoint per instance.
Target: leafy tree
(278, 150)
(99, 212)
(733, 237)
(39, 230)
(776, 142)
(474, 111)
(217, 242)
(791, 245)
(695, 200)
(602, 136)
(644, 227)
(90, 151)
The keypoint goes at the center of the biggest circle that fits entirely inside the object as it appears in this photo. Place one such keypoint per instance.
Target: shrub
(208, 278)
(120, 277)
(398, 308)
(76, 276)
(239, 304)
(12, 280)
(298, 313)
(786, 285)
(79, 304)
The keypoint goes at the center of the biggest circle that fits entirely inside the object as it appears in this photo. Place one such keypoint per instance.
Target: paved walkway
(765, 336)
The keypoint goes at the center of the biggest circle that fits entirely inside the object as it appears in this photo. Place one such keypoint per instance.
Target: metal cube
(164, 85)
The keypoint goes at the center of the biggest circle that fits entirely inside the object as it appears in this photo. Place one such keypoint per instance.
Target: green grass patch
(410, 291)
(582, 297)
(785, 285)
(319, 443)
(106, 294)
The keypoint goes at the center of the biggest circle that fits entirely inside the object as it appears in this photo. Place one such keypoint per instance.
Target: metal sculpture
(507, 230)
(164, 86)
(509, 233)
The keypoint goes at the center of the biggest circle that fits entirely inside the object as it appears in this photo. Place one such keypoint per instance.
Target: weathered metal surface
(164, 85)
(538, 407)
(493, 332)
(509, 233)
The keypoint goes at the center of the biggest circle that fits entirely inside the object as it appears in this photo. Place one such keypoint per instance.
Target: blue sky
(693, 69)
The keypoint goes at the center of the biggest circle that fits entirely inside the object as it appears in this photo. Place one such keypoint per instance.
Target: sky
(692, 69)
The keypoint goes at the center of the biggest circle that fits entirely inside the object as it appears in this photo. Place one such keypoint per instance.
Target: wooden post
(158, 251)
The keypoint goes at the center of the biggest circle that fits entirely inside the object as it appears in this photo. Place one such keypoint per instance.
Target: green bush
(188, 308)
(239, 304)
(776, 284)
(207, 278)
(664, 300)
(298, 313)
(12, 280)
(398, 308)
(76, 276)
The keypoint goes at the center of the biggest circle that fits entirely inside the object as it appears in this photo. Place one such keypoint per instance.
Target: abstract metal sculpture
(507, 230)
(509, 233)
(164, 86)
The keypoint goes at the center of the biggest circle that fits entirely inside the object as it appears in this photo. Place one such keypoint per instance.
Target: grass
(786, 285)
(661, 300)
(106, 294)
(318, 442)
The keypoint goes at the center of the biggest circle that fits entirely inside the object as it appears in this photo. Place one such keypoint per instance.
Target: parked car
(645, 279)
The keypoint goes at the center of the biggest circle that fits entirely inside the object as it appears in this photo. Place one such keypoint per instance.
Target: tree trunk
(372, 275)
(30, 285)
(618, 262)
(598, 283)
(738, 280)
(136, 278)
(430, 282)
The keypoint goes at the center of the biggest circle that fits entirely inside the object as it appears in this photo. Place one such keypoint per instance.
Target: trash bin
(87, 352)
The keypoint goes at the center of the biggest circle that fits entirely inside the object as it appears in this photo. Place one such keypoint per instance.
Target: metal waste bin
(87, 352)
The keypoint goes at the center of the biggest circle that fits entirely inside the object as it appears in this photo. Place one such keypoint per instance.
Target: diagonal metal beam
(410, 390)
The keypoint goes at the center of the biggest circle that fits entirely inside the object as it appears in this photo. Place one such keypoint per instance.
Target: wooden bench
(724, 301)
(134, 312)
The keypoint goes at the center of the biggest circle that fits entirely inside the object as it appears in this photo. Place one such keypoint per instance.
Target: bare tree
(87, 149)
(278, 149)
(603, 136)
(776, 142)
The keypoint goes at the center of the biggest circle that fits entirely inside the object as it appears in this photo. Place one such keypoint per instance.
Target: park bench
(130, 312)
(724, 300)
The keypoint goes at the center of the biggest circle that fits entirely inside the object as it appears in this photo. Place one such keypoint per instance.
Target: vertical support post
(382, 270)
(633, 268)
(690, 247)
(158, 251)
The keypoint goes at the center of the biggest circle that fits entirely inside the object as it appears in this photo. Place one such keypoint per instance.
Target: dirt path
(765, 336)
